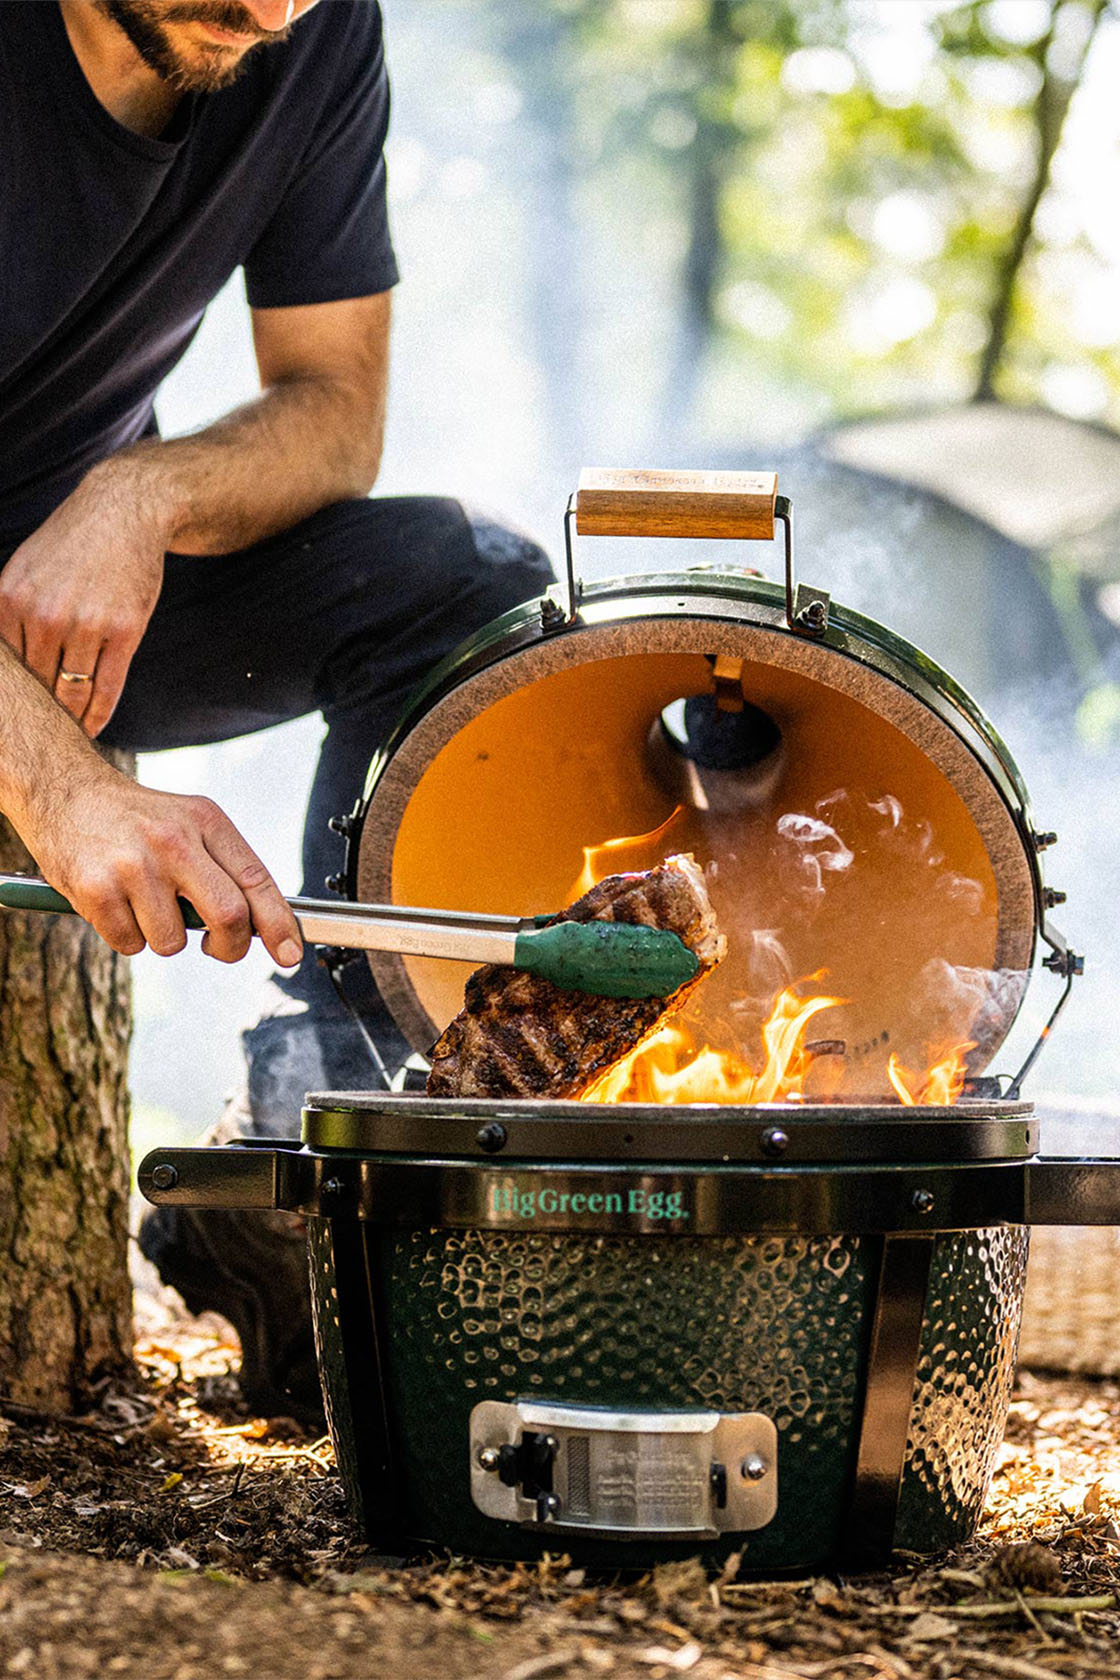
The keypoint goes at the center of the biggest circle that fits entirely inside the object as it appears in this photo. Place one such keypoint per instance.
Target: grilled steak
(520, 1036)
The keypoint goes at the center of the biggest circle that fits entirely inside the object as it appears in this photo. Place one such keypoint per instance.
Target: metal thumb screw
(165, 1176)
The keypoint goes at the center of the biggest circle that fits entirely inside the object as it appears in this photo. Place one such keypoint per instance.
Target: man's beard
(143, 21)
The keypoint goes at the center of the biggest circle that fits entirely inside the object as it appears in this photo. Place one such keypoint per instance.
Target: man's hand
(123, 854)
(76, 597)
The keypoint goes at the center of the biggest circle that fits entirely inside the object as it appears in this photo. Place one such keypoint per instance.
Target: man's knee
(517, 568)
(448, 549)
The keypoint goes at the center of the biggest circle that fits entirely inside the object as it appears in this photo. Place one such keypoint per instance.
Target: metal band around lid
(556, 1131)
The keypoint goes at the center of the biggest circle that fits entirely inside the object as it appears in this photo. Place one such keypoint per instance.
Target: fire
(668, 1068)
(942, 1084)
(600, 861)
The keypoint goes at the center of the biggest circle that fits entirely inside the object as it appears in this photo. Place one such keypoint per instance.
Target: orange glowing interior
(863, 869)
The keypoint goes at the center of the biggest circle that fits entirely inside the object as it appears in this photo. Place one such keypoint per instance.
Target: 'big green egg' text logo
(510, 1200)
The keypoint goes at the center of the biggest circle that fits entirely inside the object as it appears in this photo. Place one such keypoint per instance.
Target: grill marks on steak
(518, 1035)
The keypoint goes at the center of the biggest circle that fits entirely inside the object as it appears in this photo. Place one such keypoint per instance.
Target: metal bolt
(331, 1187)
(774, 1141)
(489, 1459)
(922, 1201)
(753, 1467)
(1064, 963)
(1052, 896)
(547, 1506)
(551, 611)
(340, 825)
(335, 883)
(814, 616)
(491, 1137)
(165, 1176)
(1044, 840)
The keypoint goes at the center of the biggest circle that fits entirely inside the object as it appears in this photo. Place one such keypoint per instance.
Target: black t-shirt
(112, 244)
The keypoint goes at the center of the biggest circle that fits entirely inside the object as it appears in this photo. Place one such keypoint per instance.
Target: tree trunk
(1051, 108)
(707, 161)
(65, 1021)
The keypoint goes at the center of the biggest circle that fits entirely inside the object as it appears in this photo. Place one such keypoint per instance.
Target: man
(157, 594)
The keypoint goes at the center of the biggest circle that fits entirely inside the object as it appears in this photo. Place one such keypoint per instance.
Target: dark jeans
(343, 615)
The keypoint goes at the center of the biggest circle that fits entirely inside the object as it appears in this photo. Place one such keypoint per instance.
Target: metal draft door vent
(685, 1475)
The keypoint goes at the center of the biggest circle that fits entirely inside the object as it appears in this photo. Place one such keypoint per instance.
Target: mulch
(166, 1533)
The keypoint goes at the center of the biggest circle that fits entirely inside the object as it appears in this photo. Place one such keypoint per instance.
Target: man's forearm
(300, 445)
(42, 748)
(77, 594)
(312, 437)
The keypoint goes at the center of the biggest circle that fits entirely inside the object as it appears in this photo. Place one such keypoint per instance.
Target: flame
(942, 1084)
(668, 1068)
(597, 860)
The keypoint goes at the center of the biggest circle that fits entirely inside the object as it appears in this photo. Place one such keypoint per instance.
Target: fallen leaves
(172, 1475)
(678, 1661)
(928, 1625)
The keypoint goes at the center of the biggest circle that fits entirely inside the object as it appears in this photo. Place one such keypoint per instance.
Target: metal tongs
(607, 959)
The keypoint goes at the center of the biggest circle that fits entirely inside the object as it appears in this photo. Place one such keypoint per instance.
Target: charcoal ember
(518, 1035)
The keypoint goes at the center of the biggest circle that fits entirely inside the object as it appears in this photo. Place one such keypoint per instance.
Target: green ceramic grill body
(819, 1307)
(513, 1297)
(779, 1325)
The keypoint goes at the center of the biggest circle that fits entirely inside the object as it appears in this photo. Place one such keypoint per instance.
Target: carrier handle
(244, 1173)
(650, 502)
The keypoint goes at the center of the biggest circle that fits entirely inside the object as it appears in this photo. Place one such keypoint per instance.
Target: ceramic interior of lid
(883, 857)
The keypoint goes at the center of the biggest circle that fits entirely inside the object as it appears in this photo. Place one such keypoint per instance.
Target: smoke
(868, 894)
(830, 851)
(888, 807)
(956, 1004)
(817, 849)
(1075, 790)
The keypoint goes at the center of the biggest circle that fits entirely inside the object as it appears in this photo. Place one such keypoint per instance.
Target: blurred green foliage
(868, 201)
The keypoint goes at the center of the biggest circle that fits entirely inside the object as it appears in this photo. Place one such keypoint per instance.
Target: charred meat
(520, 1036)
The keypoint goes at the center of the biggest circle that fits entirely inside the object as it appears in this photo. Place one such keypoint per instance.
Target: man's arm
(78, 594)
(122, 853)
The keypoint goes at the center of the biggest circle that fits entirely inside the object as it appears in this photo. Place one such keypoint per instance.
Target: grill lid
(889, 844)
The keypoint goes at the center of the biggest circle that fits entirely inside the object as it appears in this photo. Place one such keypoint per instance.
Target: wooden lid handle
(647, 502)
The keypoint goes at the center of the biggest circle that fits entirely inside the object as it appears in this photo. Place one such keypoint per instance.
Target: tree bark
(65, 1023)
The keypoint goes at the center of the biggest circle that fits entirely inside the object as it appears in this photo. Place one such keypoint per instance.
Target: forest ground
(166, 1534)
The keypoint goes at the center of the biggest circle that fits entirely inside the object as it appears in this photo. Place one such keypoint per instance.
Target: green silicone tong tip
(608, 959)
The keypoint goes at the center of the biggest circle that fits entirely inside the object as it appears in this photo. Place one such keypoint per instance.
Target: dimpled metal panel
(965, 1372)
(776, 1325)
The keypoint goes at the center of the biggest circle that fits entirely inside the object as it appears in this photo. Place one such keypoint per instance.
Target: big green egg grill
(635, 1331)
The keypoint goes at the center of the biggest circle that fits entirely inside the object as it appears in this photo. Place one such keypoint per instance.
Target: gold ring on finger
(74, 676)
